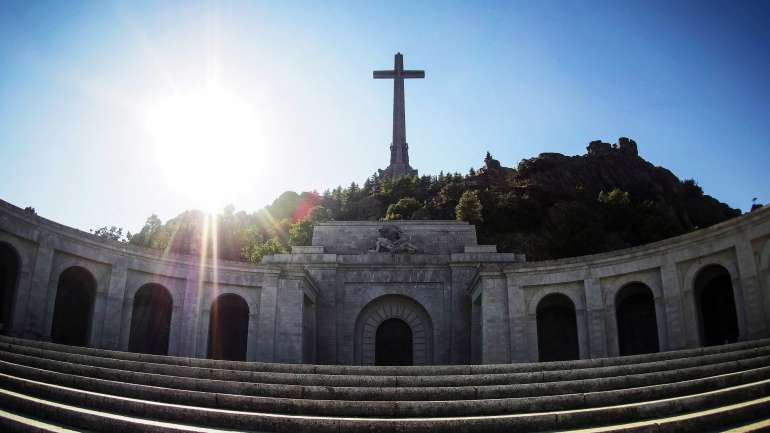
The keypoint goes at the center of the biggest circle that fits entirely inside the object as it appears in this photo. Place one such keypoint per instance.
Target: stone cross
(399, 149)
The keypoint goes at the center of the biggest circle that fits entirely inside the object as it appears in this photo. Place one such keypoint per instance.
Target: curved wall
(669, 268)
(303, 306)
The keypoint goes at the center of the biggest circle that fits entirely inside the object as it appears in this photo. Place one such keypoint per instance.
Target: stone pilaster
(495, 325)
(597, 332)
(35, 326)
(266, 331)
(288, 321)
(518, 321)
(111, 308)
(755, 326)
(191, 311)
(672, 301)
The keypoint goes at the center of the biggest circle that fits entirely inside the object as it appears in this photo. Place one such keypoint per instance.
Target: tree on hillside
(403, 209)
(469, 208)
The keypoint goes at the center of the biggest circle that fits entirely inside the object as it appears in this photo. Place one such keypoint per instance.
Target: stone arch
(10, 270)
(690, 299)
(228, 328)
(557, 328)
(716, 306)
(74, 307)
(151, 320)
(393, 307)
(636, 319)
(649, 278)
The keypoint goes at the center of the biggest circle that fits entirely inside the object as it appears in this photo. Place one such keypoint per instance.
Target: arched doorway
(557, 335)
(151, 320)
(637, 324)
(393, 343)
(382, 309)
(74, 307)
(228, 328)
(716, 306)
(9, 275)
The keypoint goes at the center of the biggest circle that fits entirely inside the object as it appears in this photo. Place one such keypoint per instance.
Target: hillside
(550, 206)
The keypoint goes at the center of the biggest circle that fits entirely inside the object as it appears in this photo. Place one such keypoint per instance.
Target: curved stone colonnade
(704, 288)
(67, 286)
(456, 302)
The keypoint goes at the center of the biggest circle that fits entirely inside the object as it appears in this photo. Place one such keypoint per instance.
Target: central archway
(393, 345)
(383, 320)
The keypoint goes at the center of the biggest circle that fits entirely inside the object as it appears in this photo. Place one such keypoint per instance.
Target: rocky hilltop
(608, 198)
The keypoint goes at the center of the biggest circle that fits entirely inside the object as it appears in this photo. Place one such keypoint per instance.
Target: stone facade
(463, 302)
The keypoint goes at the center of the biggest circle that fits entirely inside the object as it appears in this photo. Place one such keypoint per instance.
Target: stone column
(37, 307)
(754, 320)
(495, 325)
(678, 337)
(267, 318)
(597, 332)
(289, 317)
(112, 307)
(188, 338)
(518, 321)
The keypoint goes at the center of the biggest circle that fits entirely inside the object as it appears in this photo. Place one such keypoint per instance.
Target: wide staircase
(49, 387)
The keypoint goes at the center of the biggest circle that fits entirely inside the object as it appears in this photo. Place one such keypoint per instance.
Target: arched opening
(9, 275)
(637, 324)
(716, 306)
(228, 328)
(393, 343)
(74, 307)
(151, 320)
(557, 335)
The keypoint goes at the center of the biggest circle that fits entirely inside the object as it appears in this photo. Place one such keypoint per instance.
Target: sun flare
(207, 143)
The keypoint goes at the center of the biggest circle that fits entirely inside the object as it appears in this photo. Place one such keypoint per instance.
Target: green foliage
(403, 209)
(615, 197)
(551, 206)
(255, 252)
(112, 233)
(301, 233)
(469, 208)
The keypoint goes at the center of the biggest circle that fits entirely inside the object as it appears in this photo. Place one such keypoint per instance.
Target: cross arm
(384, 74)
(413, 74)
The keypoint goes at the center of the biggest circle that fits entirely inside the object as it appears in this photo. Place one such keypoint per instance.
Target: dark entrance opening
(637, 325)
(557, 337)
(74, 307)
(151, 320)
(9, 274)
(716, 306)
(393, 344)
(228, 328)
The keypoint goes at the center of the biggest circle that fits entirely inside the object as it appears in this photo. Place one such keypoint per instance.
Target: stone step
(12, 423)
(375, 393)
(117, 414)
(434, 370)
(25, 379)
(744, 362)
(384, 381)
(754, 427)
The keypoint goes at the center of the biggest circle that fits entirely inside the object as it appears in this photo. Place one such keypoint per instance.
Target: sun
(207, 142)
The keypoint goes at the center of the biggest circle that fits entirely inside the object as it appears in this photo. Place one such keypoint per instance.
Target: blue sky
(689, 81)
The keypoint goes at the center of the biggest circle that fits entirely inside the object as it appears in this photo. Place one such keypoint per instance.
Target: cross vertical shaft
(399, 148)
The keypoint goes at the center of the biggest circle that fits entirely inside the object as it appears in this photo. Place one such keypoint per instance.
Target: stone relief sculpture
(390, 241)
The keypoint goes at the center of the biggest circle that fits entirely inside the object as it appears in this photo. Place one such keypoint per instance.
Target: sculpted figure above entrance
(391, 241)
